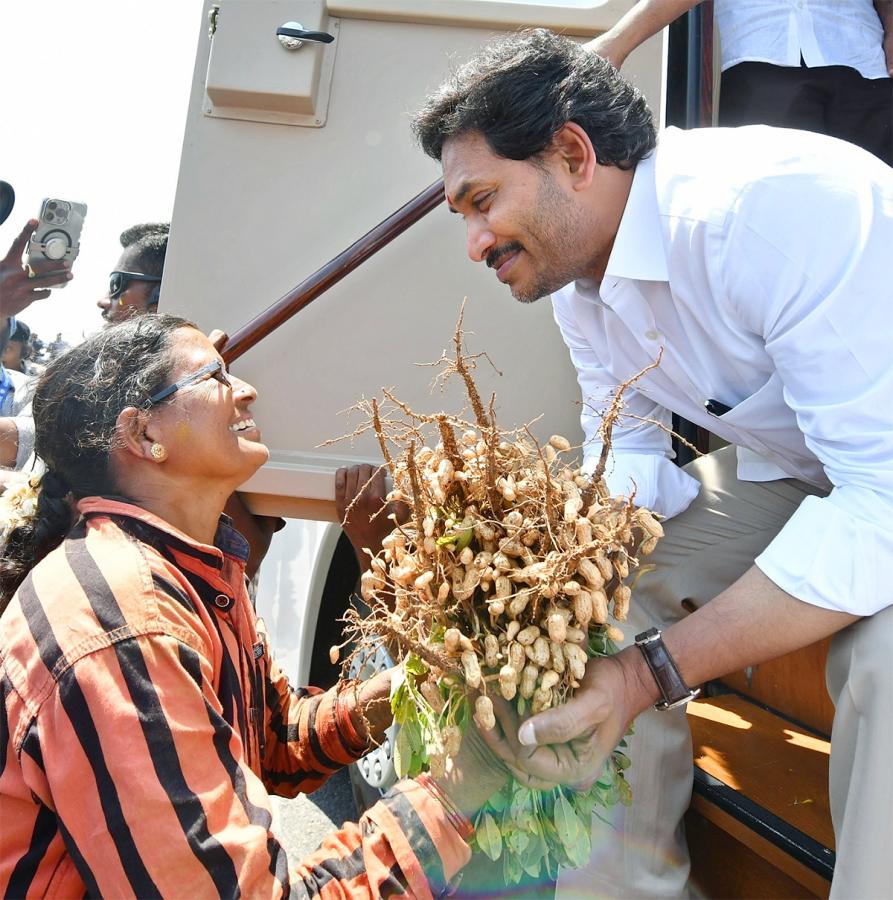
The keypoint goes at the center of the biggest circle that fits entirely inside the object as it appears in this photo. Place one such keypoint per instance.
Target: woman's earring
(158, 451)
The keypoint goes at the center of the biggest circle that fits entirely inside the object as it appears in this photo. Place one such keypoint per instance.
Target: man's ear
(130, 431)
(576, 155)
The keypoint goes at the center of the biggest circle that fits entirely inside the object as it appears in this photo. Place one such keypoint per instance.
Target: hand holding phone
(56, 239)
(19, 286)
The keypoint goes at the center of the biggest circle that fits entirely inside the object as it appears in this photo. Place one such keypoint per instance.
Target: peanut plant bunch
(504, 580)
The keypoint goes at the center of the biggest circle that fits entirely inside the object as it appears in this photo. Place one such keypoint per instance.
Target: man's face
(13, 355)
(520, 219)
(133, 300)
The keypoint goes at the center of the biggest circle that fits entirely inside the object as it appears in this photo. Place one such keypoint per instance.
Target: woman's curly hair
(76, 407)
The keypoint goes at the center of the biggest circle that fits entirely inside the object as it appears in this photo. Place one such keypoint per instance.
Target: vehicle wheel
(372, 775)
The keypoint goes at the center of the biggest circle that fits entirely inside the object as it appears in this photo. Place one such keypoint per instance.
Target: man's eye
(482, 200)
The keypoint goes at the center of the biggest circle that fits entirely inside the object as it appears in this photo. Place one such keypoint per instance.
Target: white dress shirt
(823, 32)
(759, 259)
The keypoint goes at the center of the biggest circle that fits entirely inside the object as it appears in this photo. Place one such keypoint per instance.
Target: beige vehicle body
(291, 155)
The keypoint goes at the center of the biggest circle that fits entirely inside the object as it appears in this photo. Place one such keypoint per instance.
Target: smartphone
(57, 236)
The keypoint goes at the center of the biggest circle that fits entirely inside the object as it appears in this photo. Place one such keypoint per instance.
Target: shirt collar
(227, 541)
(638, 252)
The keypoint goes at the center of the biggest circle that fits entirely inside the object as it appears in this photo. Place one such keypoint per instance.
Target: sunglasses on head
(214, 370)
(118, 281)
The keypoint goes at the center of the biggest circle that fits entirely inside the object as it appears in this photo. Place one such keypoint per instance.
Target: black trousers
(833, 100)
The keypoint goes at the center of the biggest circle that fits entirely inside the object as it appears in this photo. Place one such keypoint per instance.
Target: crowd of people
(144, 719)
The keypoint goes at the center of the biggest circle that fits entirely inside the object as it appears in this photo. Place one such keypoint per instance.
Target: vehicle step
(760, 803)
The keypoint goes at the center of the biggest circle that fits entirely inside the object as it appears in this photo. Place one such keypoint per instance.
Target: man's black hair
(148, 242)
(520, 90)
(21, 332)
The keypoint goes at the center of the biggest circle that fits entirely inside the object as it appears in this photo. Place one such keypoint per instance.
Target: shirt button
(652, 335)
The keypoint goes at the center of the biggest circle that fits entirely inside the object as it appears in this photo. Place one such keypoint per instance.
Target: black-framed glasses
(118, 281)
(213, 370)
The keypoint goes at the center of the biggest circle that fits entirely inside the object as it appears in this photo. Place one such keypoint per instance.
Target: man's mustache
(497, 253)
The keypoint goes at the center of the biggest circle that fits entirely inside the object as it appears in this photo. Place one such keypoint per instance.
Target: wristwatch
(663, 667)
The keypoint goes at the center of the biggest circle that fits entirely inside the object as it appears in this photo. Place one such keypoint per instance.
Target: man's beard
(556, 226)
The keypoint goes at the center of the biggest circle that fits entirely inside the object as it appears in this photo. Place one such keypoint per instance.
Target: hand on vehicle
(569, 744)
(608, 48)
(18, 289)
(364, 522)
(474, 775)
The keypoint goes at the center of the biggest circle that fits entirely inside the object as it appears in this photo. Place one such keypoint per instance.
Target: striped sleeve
(308, 737)
(154, 797)
(404, 844)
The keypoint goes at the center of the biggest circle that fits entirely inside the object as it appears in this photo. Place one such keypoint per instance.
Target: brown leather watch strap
(670, 682)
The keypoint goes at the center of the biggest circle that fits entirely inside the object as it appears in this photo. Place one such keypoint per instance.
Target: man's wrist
(639, 686)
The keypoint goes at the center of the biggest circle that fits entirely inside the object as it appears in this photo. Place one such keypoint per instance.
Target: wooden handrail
(332, 272)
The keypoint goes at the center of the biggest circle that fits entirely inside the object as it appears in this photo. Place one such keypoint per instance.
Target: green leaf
(625, 791)
(415, 666)
(566, 822)
(579, 852)
(402, 753)
(414, 736)
(488, 836)
(464, 538)
(517, 841)
(621, 760)
(511, 868)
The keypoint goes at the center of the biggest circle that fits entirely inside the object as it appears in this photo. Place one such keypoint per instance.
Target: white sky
(93, 98)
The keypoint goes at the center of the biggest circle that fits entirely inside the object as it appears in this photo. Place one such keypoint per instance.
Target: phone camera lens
(51, 204)
(49, 216)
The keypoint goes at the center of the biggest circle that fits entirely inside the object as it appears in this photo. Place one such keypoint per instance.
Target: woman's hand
(474, 775)
(369, 706)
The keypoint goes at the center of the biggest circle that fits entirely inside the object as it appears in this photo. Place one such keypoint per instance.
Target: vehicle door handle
(317, 37)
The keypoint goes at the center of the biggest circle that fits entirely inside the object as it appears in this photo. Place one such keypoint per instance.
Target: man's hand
(17, 289)
(364, 487)
(569, 744)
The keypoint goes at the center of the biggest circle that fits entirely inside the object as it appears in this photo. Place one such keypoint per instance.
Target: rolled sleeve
(655, 481)
(828, 555)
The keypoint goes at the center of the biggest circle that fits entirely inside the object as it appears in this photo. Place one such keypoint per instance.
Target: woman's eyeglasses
(118, 281)
(213, 370)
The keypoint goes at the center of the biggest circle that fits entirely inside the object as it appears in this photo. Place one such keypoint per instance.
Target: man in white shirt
(756, 263)
(818, 65)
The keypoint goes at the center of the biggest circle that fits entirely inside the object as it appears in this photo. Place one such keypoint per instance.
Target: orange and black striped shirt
(143, 722)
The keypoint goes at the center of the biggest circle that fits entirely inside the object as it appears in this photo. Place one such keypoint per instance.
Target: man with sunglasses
(135, 282)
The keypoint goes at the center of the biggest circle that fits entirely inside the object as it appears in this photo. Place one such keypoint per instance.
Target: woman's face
(206, 426)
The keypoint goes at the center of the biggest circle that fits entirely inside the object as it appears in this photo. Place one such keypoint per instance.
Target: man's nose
(480, 242)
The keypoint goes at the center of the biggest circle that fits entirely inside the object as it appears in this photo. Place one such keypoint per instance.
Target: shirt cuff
(828, 556)
(659, 484)
(335, 732)
(427, 846)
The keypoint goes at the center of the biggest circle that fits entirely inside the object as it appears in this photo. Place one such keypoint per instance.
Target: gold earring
(158, 451)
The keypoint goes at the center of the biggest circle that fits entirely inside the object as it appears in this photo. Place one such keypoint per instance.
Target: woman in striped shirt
(143, 720)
